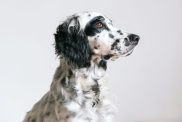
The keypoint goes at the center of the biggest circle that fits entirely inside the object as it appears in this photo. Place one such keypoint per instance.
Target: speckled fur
(78, 92)
(81, 98)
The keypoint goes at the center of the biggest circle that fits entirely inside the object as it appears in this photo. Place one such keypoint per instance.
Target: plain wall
(146, 86)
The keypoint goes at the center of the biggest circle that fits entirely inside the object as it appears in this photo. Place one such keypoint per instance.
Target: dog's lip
(128, 53)
(107, 57)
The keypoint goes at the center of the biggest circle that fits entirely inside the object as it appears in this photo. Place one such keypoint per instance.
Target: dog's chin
(121, 54)
(127, 53)
(118, 53)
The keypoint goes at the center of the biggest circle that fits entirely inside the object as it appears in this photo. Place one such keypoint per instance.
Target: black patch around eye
(91, 29)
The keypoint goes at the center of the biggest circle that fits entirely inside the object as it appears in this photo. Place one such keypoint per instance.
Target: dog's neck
(95, 71)
(79, 83)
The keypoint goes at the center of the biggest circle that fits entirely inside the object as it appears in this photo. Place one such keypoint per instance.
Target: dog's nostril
(134, 38)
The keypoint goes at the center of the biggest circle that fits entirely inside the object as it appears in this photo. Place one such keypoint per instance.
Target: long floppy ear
(72, 43)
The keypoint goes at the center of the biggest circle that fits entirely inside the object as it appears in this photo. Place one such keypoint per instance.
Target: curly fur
(73, 43)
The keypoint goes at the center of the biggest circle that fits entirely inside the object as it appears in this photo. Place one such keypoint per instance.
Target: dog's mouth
(128, 52)
(119, 52)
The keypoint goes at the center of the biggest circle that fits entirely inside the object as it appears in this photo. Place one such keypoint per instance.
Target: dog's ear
(72, 43)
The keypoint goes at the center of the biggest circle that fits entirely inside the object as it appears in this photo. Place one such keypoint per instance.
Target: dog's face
(106, 40)
(86, 34)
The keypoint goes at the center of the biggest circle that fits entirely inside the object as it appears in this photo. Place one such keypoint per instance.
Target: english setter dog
(84, 43)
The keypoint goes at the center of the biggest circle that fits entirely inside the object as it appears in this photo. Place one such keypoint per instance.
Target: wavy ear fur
(72, 43)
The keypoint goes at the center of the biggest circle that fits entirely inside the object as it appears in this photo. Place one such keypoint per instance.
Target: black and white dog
(84, 42)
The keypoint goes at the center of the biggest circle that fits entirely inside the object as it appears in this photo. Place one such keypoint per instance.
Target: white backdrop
(147, 85)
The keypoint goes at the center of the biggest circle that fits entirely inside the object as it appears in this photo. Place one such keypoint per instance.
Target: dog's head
(89, 34)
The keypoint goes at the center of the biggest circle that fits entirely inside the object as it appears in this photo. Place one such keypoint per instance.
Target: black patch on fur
(96, 88)
(70, 74)
(114, 44)
(91, 28)
(107, 57)
(63, 82)
(72, 43)
(47, 113)
(62, 99)
(103, 64)
(119, 31)
(95, 102)
(34, 120)
(111, 36)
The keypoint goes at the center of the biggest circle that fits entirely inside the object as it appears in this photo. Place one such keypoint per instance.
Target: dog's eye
(99, 25)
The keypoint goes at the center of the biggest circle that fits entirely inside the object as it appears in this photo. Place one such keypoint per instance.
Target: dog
(84, 43)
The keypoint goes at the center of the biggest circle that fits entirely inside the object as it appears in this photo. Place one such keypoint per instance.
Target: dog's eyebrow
(90, 28)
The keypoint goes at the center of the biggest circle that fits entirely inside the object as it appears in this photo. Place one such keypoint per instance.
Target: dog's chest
(82, 112)
(86, 85)
(89, 81)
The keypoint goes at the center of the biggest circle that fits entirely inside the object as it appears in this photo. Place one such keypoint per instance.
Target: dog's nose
(134, 38)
